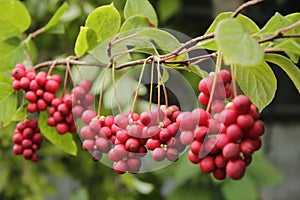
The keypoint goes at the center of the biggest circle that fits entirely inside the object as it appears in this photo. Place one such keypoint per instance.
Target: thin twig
(243, 6)
(279, 33)
(188, 43)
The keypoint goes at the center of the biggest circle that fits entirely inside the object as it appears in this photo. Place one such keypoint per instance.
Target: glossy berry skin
(207, 164)
(235, 169)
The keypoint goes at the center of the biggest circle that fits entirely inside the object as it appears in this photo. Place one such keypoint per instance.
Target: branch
(243, 6)
(184, 45)
(279, 33)
(73, 61)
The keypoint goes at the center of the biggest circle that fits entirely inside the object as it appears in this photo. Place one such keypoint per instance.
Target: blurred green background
(272, 175)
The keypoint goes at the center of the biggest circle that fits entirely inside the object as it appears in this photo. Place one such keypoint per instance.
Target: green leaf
(11, 53)
(8, 103)
(105, 20)
(167, 9)
(237, 46)
(258, 83)
(291, 48)
(136, 22)
(288, 66)
(20, 113)
(14, 18)
(243, 189)
(295, 17)
(196, 70)
(100, 53)
(262, 171)
(56, 17)
(248, 25)
(86, 40)
(140, 7)
(148, 38)
(64, 142)
(142, 187)
(276, 22)
(165, 76)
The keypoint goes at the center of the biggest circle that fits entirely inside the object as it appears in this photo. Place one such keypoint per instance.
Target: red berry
(103, 144)
(200, 132)
(219, 174)
(88, 100)
(17, 149)
(18, 73)
(217, 106)
(195, 147)
(17, 138)
(63, 109)
(27, 133)
(32, 107)
(16, 85)
(135, 130)
(222, 140)
(86, 85)
(62, 128)
(121, 121)
(152, 144)
(257, 130)
(203, 99)
(87, 133)
(134, 164)
(31, 96)
(41, 78)
(220, 161)
(52, 86)
(56, 78)
(193, 158)
(235, 169)
(158, 154)
(165, 135)
(78, 93)
(34, 157)
(186, 121)
(42, 105)
(88, 144)
(120, 167)
(205, 85)
(187, 137)
(241, 104)
(132, 145)
(234, 132)
(245, 121)
(231, 151)
(27, 154)
(48, 97)
(172, 154)
(87, 116)
(37, 138)
(210, 145)
(225, 76)
(122, 136)
(207, 164)
(24, 82)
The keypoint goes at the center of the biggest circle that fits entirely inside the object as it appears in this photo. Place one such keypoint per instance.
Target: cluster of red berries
(240, 129)
(40, 88)
(128, 137)
(27, 139)
(65, 110)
